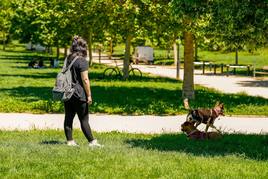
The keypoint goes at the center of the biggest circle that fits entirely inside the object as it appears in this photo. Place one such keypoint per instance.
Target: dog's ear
(186, 123)
(221, 105)
(217, 103)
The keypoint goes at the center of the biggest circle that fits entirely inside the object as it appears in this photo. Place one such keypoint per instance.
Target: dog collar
(217, 112)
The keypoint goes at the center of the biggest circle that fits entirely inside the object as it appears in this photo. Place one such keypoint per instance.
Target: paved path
(232, 84)
(130, 124)
(155, 124)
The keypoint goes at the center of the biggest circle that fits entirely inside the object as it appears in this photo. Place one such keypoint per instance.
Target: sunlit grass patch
(43, 154)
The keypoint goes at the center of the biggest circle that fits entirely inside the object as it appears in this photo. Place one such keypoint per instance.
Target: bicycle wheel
(110, 73)
(135, 73)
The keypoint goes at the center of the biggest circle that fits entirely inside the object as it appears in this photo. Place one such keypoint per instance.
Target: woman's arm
(86, 84)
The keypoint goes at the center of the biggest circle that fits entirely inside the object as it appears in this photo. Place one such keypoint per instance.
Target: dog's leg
(211, 125)
(207, 126)
(197, 123)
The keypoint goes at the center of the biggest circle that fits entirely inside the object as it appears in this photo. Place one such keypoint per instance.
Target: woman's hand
(89, 100)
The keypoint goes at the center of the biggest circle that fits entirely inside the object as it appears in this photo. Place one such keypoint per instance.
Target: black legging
(72, 107)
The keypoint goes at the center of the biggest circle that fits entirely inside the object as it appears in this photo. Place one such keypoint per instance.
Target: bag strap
(65, 68)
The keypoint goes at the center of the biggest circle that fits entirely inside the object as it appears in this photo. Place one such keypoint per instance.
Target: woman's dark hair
(79, 46)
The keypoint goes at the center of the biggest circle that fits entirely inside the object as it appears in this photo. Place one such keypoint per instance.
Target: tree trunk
(195, 50)
(89, 39)
(176, 49)
(99, 53)
(178, 61)
(90, 48)
(188, 78)
(127, 57)
(4, 41)
(65, 52)
(50, 49)
(168, 53)
(236, 56)
(111, 49)
(58, 51)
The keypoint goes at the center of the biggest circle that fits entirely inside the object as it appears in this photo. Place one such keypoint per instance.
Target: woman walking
(81, 98)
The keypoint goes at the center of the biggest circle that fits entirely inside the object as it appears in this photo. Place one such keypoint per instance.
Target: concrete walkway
(155, 124)
(231, 84)
(130, 124)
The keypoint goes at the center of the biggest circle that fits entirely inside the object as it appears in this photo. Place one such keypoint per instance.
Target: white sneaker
(94, 143)
(72, 143)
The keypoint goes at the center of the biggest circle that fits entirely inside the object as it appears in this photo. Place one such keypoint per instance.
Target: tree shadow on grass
(160, 101)
(250, 146)
(29, 94)
(256, 83)
(34, 75)
(139, 100)
(19, 51)
(24, 57)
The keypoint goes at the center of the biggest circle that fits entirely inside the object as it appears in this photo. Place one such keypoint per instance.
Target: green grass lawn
(29, 90)
(259, 58)
(43, 154)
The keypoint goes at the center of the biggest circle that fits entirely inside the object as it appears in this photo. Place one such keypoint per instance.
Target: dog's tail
(186, 104)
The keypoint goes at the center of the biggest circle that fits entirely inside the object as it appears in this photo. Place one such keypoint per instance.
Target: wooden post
(203, 68)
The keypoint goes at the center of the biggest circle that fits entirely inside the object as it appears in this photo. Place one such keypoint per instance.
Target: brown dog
(206, 116)
(193, 133)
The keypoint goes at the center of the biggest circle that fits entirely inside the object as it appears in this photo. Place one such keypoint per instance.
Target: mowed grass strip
(43, 154)
(23, 89)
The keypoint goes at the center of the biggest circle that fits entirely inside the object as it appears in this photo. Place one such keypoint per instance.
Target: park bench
(236, 66)
(263, 71)
(203, 64)
(215, 66)
(210, 65)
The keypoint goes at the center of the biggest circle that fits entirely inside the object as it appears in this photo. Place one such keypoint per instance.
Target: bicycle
(116, 72)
